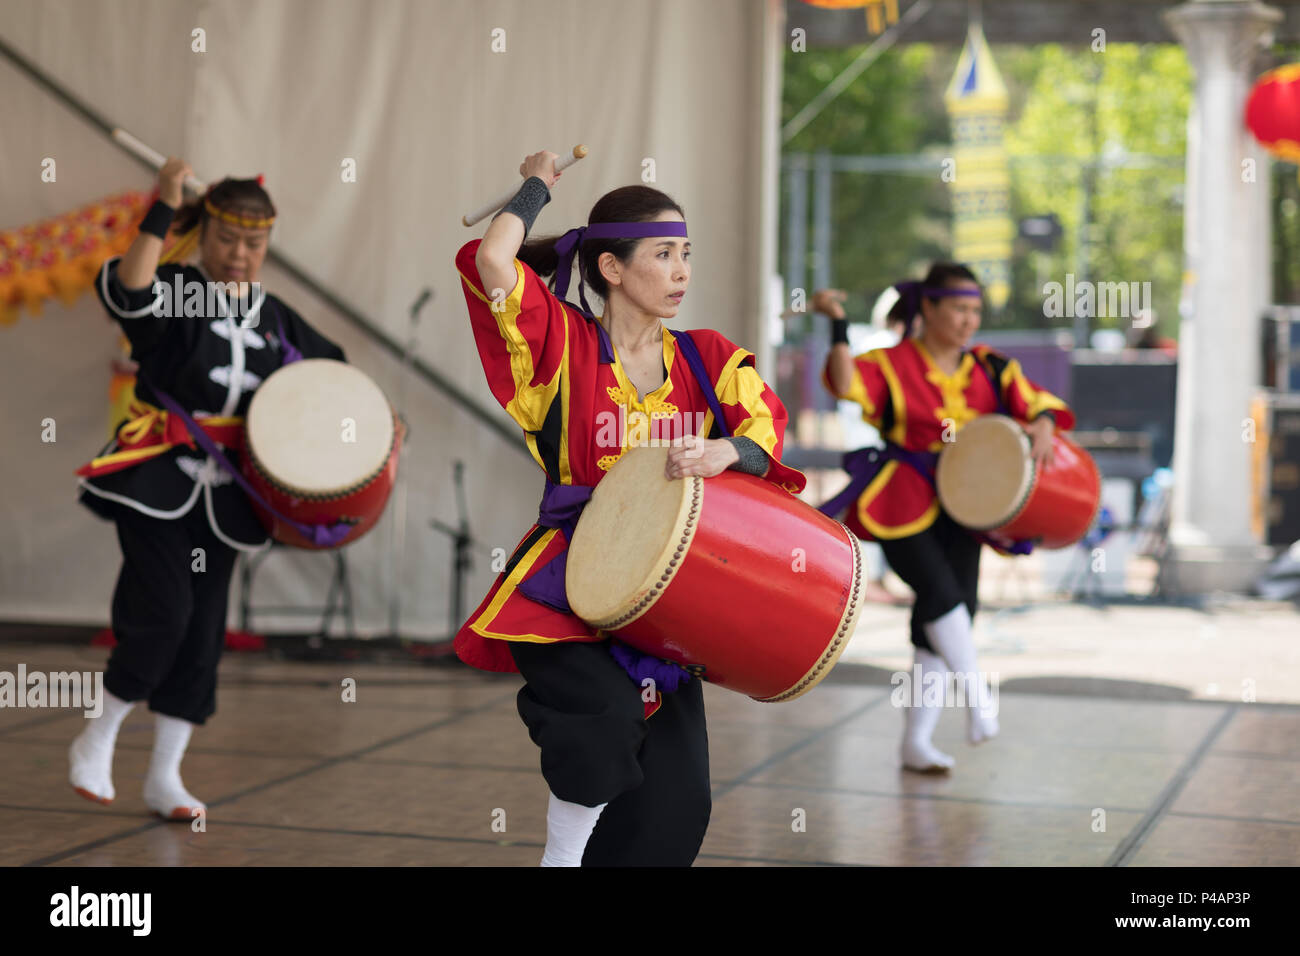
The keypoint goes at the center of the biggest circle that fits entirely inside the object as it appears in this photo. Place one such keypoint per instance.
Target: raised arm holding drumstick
(207, 350)
(628, 777)
(919, 394)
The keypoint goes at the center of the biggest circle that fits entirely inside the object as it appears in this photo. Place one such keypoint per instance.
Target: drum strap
(290, 351)
(997, 392)
(691, 352)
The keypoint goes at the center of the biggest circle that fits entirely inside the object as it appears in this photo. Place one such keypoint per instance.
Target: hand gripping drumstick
(488, 208)
(157, 159)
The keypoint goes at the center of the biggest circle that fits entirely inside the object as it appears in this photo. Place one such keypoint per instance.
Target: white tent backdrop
(436, 122)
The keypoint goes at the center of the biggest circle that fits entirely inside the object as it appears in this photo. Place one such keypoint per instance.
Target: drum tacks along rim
(991, 484)
(669, 559)
(264, 471)
(302, 495)
(949, 461)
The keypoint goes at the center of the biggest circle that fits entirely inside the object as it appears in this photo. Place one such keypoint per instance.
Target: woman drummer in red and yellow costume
(629, 780)
(919, 394)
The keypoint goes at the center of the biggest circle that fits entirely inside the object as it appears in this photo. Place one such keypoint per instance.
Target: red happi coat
(909, 399)
(543, 364)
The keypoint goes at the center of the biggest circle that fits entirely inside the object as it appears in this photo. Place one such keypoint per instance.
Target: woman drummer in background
(919, 394)
(181, 519)
(628, 775)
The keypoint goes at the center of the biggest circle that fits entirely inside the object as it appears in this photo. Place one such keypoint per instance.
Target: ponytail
(539, 255)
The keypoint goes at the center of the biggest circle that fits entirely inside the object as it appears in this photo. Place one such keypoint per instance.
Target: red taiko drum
(731, 577)
(987, 482)
(321, 446)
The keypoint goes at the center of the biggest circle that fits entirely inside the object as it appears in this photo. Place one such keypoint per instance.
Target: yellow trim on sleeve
(1036, 400)
(898, 433)
(718, 386)
(1044, 402)
(858, 392)
(566, 469)
(531, 402)
(745, 388)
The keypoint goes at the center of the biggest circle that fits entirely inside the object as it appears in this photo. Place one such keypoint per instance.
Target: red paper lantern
(1273, 112)
(875, 8)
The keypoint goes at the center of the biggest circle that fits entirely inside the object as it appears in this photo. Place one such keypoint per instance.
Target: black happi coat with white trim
(211, 365)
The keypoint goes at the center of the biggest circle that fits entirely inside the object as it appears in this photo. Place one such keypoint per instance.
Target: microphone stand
(462, 563)
(397, 529)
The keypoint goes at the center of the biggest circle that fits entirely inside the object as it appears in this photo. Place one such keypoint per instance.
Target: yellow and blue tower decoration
(983, 231)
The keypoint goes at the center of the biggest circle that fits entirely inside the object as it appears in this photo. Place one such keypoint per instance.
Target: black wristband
(158, 219)
(753, 460)
(839, 331)
(528, 202)
(1046, 414)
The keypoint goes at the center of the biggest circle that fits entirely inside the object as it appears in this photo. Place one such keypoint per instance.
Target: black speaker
(1130, 391)
(1281, 365)
(1277, 468)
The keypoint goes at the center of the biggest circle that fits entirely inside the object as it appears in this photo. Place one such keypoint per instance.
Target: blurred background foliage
(1091, 137)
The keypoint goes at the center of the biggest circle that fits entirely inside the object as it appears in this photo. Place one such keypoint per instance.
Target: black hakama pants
(586, 714)
(169, 619)
(942, 565)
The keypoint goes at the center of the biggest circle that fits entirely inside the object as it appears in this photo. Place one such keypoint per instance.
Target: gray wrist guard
(753, 460)
(528, 202)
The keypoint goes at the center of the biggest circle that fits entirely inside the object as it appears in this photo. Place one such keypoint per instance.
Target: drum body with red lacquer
(321, 446)
(987, 482)
(731, 577)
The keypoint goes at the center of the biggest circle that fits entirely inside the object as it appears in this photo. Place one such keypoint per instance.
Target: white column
(1226, 288)
(772, 38)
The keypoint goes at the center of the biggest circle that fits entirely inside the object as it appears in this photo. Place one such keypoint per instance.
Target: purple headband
(566, 247)
(910, 293)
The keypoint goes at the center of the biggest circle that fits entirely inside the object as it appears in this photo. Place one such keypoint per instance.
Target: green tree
(1116, 120)
(884, 226)
(1101, 135)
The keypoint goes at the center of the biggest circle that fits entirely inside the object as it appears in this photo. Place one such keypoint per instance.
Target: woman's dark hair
(940, 276)
(245, 197)
(625, 204)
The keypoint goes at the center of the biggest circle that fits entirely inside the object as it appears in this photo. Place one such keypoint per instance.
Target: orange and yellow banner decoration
(60, 257)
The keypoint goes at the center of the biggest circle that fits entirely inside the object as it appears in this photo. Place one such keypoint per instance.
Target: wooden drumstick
(152, 156)
(488, 209)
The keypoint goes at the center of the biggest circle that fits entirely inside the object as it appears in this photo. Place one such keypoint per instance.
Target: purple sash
(323, 536)
(560, 508)
(864, 464)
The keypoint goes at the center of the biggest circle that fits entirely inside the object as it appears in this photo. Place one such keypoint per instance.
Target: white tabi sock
(920, 719)
(164, 792)
(90, 757)
(568, 828)
(951, 636)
